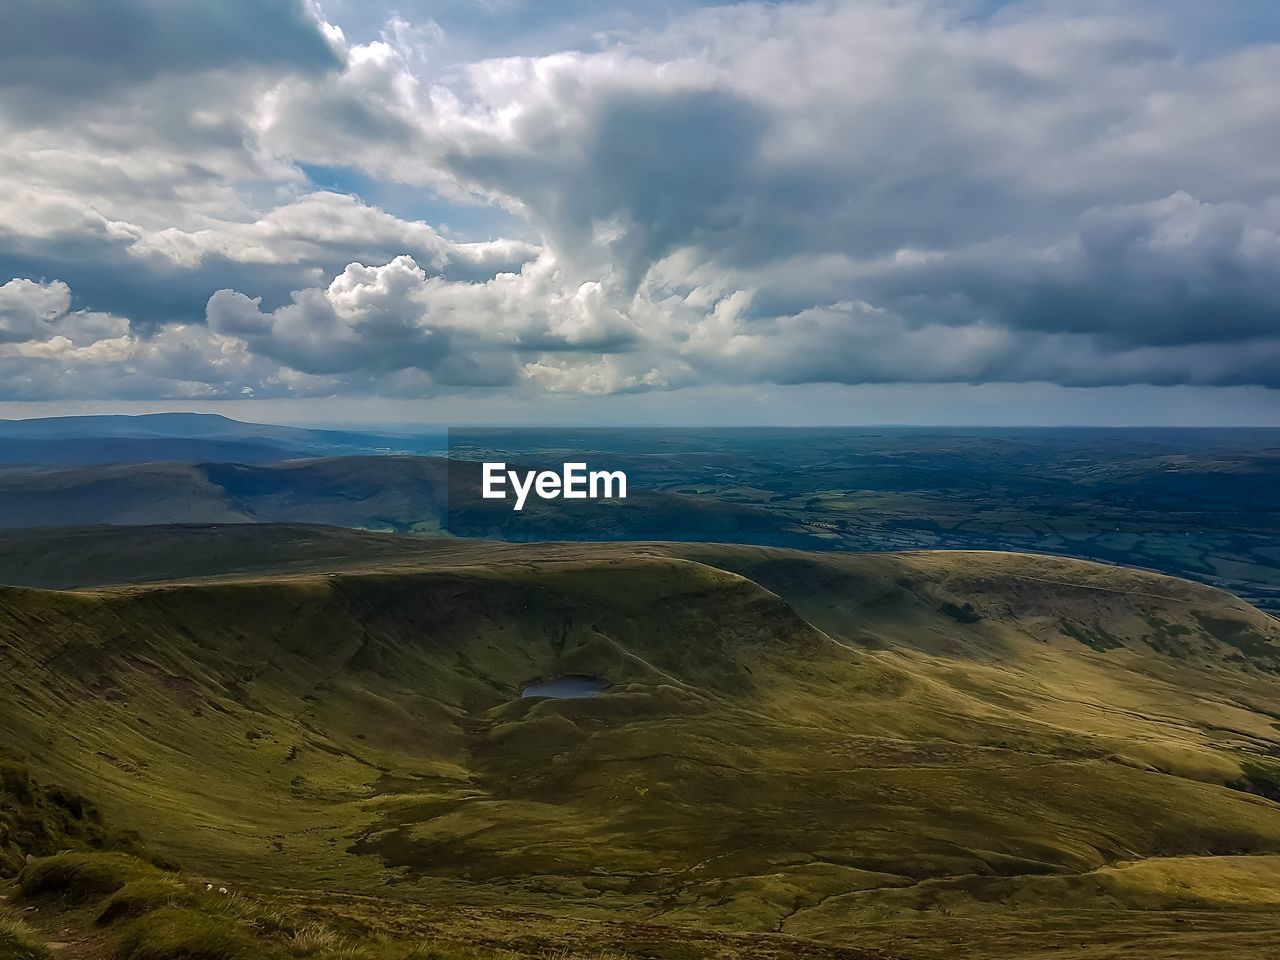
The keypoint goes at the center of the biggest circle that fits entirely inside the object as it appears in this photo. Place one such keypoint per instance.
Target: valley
(796, 751)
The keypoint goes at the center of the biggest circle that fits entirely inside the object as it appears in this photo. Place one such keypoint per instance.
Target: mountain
(171, 425)
(187, 438)
(949, 754)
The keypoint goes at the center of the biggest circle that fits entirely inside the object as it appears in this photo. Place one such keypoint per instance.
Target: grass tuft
(181, 933)
(19, 942)
(312, 938)
(83, 876)
(142, 896)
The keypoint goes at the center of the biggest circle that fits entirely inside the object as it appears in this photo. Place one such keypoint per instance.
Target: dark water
(566, 688)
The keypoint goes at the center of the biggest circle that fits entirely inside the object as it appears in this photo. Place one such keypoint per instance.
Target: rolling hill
(379, 492)
(386, 493)
(933, 754)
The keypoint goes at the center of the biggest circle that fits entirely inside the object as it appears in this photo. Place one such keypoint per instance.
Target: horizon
(428, 427)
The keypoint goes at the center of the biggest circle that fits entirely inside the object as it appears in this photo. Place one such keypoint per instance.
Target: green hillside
(373, 492)
(935, 755)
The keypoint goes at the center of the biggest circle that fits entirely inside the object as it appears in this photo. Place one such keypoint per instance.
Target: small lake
(572, 687)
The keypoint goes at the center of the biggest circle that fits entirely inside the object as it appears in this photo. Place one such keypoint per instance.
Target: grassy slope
(818, 744)
(98, 555)
(144, 493)
(374, 492)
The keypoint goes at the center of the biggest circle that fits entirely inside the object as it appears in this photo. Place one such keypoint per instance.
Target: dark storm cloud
(668, 168)
(74, 49)
(1169, 272)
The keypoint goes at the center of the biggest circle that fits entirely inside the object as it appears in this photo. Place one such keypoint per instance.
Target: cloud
(604, 375)
(1171, 271)
(49, 350)
(395, 317)
(38, 313)
(324, 224)
(856, 343)
(69, 51)
(860, 127)
(857, 192)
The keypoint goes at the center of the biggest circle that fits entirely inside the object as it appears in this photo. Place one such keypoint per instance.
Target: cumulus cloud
(49, 350)
(604, 375)
(396, 317)
(306, 229)
(41, 313)
(852, 192)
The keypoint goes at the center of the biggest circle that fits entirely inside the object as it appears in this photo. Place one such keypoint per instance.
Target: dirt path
(68, 937)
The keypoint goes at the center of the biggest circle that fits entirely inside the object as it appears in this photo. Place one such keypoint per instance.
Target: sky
(923, 211)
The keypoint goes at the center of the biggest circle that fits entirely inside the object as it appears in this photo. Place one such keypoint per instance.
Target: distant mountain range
(188, 438)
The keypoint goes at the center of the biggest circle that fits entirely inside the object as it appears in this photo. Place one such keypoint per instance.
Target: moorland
(931, 754)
